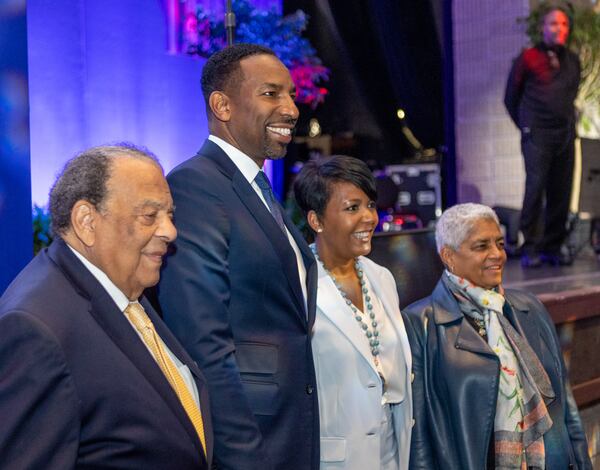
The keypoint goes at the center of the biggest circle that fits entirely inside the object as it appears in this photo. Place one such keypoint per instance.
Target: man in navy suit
(239, 291)
(81, 385)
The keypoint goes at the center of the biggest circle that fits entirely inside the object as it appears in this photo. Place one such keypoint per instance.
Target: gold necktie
(138, 317)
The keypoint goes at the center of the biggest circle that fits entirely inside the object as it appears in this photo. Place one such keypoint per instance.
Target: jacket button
(412, 377)
(413, 423)
(309, 389)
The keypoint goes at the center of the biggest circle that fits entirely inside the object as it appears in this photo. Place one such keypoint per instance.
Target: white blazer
(349, 386)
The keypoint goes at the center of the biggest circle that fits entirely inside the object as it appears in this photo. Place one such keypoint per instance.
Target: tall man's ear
(220, 105)
(313, 221)
(83, 222)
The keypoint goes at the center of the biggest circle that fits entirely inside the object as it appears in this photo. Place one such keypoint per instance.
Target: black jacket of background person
(540, 94)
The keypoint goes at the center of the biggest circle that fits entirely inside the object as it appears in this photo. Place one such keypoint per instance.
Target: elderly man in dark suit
(90, 377)
(239, 292)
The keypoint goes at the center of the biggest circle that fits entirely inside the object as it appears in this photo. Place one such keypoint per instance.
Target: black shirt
(542, 87)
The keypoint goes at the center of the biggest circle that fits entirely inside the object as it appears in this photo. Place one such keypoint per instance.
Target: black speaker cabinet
(419, 190)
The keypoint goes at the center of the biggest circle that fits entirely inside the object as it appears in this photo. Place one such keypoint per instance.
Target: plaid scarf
(521, 414)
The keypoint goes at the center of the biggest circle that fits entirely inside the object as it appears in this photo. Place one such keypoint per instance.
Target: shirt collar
(115, 293)
(243, 162)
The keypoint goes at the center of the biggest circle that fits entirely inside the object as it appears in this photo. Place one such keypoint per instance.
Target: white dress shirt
(250, 169)
(122, 303)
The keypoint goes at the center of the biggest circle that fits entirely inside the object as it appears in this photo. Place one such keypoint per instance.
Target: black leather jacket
(456, 385)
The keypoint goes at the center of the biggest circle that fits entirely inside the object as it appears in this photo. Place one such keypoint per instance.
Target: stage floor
(584, 273)
(572, 296)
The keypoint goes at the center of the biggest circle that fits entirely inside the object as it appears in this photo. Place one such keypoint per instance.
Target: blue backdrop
(16, 240)
(98, 72)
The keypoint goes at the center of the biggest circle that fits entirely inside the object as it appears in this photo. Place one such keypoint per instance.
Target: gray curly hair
(455, 224)
(85, 177)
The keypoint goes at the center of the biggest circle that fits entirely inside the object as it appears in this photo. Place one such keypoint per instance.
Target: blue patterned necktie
(265, 188)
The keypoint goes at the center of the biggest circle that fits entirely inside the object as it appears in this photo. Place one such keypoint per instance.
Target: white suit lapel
(386, 292)
(333, 306)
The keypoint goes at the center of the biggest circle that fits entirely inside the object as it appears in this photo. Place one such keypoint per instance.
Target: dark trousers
(549, 156)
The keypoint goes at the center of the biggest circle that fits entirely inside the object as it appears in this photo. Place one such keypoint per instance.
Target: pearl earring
(319, 230)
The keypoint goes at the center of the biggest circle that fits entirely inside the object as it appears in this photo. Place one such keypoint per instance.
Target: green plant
(41, 228)
(585, 40)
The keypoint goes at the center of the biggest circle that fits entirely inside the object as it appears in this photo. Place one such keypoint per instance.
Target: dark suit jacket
(456, 385)
(78, 388)
(231, 294)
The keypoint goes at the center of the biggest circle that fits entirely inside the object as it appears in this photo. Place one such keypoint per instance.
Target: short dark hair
(85, 176)
(549, 7)
(312, 187)
(222, 70)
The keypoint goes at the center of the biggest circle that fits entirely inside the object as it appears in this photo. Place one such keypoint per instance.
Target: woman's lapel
(332, 305)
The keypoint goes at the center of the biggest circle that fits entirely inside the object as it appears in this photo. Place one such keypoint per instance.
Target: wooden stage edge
(569, 307)
(572, 297)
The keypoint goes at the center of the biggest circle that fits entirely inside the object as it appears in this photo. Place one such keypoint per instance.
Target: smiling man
(239, 291)
(89, 375)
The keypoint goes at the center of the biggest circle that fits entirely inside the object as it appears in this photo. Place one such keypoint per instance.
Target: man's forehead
(127, 167)
(263, 69)
(261, 59)
(132, 176)
(556, 15)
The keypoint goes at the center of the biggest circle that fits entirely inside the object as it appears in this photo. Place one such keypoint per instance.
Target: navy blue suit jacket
(78, 388)
(231, 294)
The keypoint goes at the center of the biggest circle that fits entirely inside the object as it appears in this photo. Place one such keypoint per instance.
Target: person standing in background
(540, 94)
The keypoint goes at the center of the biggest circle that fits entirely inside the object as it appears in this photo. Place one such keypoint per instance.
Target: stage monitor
(412, 258)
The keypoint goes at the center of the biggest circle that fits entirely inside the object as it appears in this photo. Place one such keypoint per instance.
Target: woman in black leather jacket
(490, 387)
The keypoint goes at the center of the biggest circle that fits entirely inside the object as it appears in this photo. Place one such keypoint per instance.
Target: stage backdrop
(100, 71)
(16, 241)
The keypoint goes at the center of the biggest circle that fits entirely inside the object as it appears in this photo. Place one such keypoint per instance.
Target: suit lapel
(382, 290)
(177, 349)
(170, 340)
(167, 337)
(112, 321)
(265, 221)
(517, 314)
(333, 306)
(310, 265)
(278, 239)
(311, 290)
(446, 311)
(469, 340)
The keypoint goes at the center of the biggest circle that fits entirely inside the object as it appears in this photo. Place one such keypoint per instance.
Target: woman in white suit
(360, 347)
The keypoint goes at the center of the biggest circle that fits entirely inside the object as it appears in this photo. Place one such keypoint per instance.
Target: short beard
(270, 154)
(268, 150)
